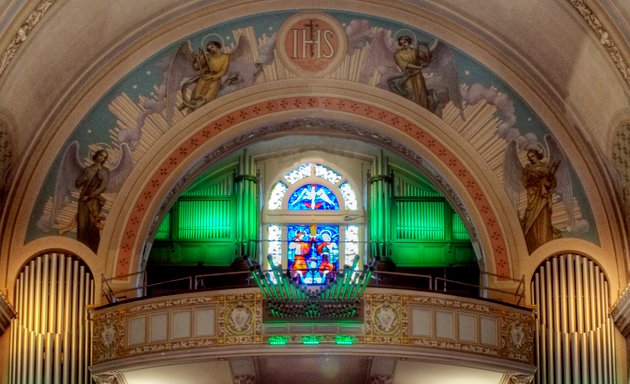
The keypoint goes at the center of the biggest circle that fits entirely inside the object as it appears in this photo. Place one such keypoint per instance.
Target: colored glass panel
(313, 252)
(274, 233)
(327, 173)
(313, 197)
(349, 198)
(304, 170)
(277, 195)
(352, 242)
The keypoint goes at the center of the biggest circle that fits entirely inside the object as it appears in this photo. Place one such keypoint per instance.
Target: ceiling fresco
(122, 127)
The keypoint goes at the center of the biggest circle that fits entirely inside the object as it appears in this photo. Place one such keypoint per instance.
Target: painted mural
(84, 180)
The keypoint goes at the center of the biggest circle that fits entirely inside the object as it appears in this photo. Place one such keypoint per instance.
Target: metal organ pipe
(50, 340)
(575, 337)
(548, 328)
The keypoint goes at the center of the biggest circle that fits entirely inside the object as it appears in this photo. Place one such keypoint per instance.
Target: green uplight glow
(344, 340)
(278, 340)
(310, 340)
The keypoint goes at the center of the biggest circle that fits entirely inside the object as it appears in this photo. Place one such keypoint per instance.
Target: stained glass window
(313, 252)
(313, 197)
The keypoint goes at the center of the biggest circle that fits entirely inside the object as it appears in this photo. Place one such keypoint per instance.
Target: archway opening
(311, 204)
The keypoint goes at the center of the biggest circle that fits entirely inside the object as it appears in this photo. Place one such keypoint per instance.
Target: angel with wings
(310, 195)
(425, 74)
(411, 61)
(211, 72)
(211, 65)
(92, 181)
(545, 175)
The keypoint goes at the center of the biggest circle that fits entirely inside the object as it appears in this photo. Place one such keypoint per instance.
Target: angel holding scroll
(93, 180)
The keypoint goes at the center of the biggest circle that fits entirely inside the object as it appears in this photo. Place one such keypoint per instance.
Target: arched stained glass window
(307, 233)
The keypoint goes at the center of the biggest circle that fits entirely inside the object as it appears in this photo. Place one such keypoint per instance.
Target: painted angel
(92, 181)
(200, 77)
(545, 175)
(425, 74)
(310, 195)
(210, 72)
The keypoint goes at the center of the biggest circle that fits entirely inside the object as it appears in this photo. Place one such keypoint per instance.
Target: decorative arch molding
(613, 274)
(52, 244)
(513, 240)
(282, 108)
(620, 153)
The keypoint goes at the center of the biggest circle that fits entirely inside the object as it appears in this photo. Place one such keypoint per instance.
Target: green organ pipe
(247, 206)
(380, 186)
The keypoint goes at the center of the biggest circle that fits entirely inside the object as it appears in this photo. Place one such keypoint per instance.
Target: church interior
(306, 192)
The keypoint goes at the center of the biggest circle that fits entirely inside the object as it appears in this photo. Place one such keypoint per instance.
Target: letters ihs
(317, 39)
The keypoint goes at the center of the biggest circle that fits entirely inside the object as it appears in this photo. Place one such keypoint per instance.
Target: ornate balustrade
(231, 322)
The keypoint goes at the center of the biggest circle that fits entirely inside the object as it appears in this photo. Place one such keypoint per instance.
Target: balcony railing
(141, 287)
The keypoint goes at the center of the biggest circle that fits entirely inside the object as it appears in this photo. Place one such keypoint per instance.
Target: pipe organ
(575, 329)
(50, 339)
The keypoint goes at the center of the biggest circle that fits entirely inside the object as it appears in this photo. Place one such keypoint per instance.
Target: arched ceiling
(563, 47)
(568, 62)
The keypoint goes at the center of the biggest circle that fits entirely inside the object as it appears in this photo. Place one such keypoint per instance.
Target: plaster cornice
(604, 37)
(20, 37)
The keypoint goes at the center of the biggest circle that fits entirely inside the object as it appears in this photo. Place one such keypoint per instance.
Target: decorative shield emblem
(240, 319)
(107, 335)
(386, 319)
